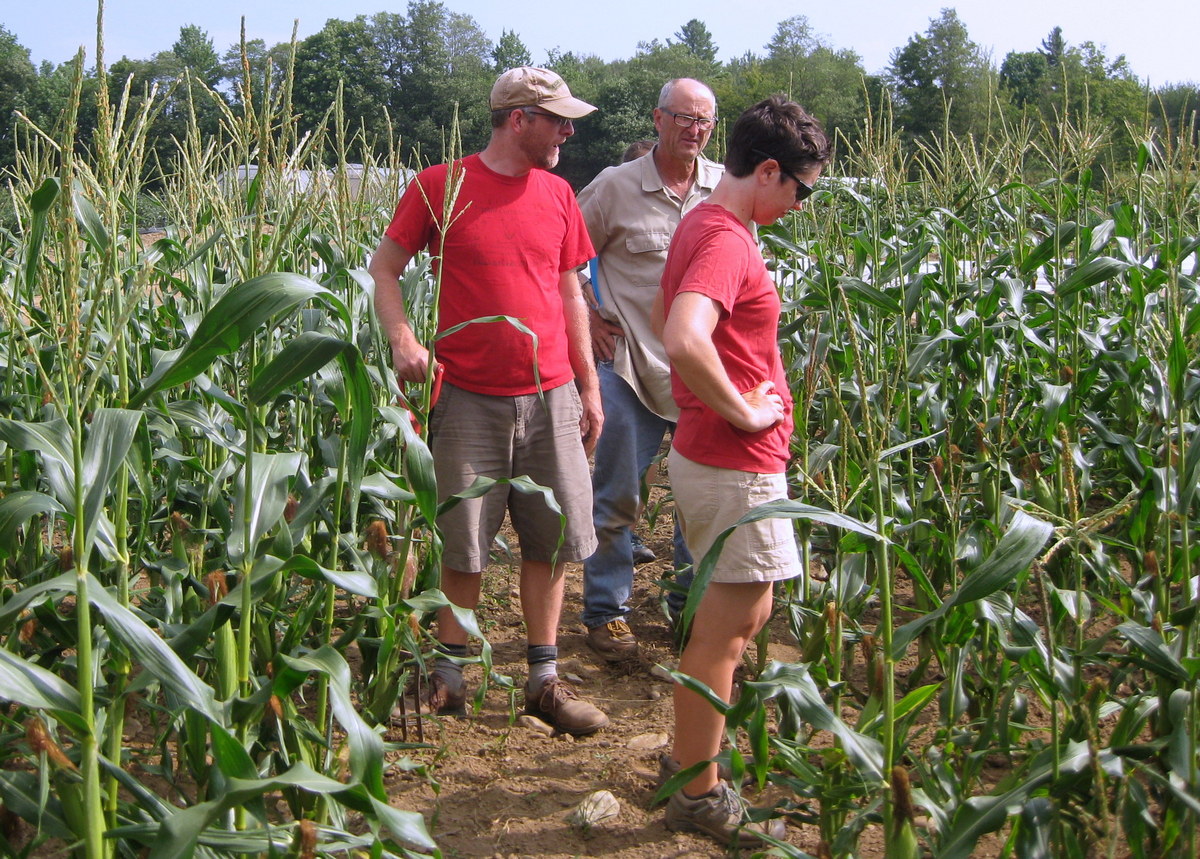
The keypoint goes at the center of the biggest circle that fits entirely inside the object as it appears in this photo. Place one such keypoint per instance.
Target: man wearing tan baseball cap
(529, 86)
(516, 400)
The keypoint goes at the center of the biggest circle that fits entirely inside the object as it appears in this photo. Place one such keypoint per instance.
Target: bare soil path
(505, 790)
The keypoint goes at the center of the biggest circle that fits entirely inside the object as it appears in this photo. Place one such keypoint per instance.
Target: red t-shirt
(713, 253)
(510, 239)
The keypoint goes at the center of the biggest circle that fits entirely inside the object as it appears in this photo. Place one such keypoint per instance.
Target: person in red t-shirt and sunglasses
(719, 311)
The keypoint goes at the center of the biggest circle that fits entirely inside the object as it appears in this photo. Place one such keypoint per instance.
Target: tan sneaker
(558, 705)
(614, 641)
(668, 767)
(722, 815)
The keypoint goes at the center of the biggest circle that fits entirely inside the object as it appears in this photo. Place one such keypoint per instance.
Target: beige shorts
(711, 499)
(474, 435)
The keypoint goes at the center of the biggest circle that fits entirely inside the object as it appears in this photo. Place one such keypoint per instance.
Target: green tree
(510, 52)
(1080, 86)
(401, 74)
(1054, 47)
(195, 52)
(261, 62)
(941, 79)
(1175, 108)
(828, 81)
(625, 104)
(344, 53)
(17, 78)
(694, 36)
(1024, 76)
(446, 64)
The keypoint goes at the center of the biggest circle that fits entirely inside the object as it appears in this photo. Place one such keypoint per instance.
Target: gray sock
(543, 664)
(447, 670)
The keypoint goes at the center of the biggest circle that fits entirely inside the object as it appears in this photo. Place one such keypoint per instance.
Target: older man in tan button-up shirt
(631, 212)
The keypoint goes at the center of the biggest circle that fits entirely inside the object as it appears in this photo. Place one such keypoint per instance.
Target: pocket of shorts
(762, 487)
(576, 401)
(437, 416)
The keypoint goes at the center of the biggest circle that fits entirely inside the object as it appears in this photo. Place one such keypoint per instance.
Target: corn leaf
(418, 463)
(1015, 551)
(153, 654)
(782, 509)
(1092, 272)
(266, 496)
(483, 485)
(22, 795)
(366, 746)
(296, 361)
(794, 689)
(40, 202)
(13, 606)
(982, 814)
(16, 509)
(919, 357)
(108, 442)
(179, 834)
(358, 583)
(1151, 651)
(358, 423)
(233, 320)
(89, 220)
(51, 439)
(408, 826)
(515, 323)
(1050, 247)
(28, 684)
(870, 294)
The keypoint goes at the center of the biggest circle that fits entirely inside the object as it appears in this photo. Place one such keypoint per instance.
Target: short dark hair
(636, 150)
(776, 128)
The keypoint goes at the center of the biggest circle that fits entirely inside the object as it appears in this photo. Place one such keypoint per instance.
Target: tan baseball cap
(529, 86)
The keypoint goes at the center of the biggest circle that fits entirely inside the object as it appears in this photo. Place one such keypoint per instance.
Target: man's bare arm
(579, 346)
(409, 357)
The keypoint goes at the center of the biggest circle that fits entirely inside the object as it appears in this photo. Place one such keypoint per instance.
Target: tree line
(416, 75)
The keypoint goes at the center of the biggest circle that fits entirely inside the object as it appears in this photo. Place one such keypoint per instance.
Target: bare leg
(462, 589)
(541, 600)
(729, 616)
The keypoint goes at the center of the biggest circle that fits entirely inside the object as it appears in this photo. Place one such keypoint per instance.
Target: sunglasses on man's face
(562, 121)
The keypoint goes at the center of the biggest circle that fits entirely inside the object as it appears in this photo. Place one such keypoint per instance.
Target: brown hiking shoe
(558, 705)
(445, 700)
(614, 641)
(720, 814)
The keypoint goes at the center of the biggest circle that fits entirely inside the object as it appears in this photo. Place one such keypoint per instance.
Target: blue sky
(1157, 36)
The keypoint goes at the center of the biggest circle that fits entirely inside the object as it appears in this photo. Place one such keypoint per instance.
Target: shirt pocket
(648, 253)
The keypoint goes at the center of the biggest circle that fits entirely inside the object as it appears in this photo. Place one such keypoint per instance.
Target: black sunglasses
(803, 189)
(562, 121)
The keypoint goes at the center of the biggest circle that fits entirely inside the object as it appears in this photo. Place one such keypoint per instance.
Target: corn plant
(191, 438)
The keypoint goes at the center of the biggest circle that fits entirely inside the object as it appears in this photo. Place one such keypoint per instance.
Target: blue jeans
(630, 440)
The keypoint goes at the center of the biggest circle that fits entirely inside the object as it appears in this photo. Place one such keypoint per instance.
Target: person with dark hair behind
(718, 311)
(637, 149)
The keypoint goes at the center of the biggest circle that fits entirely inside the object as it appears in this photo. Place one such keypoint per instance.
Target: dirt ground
(505, 790)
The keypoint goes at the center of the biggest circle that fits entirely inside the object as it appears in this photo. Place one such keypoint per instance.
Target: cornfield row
(211, 497)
